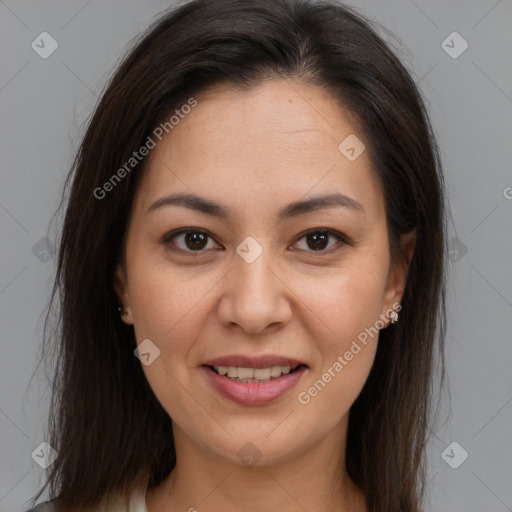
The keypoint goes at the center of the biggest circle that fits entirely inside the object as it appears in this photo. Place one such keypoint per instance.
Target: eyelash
(331, 233)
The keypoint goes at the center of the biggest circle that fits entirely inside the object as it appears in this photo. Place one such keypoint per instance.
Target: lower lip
(254, 393)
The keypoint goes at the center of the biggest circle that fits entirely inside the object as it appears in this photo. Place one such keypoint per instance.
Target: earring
(393, 317)
(121, 310)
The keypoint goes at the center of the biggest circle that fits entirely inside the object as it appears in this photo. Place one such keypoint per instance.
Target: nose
(255, 297)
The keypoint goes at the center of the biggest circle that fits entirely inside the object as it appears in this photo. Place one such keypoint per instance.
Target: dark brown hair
(109, 430)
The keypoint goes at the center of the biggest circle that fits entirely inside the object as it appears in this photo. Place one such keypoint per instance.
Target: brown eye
(189, 240)
(195, 241)
(318, 241)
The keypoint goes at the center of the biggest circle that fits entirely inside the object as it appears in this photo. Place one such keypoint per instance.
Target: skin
(255, 152)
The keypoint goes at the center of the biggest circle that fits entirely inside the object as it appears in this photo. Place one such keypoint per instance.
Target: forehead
(276, 141)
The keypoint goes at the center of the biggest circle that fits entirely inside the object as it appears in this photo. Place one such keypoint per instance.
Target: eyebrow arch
(209, 207)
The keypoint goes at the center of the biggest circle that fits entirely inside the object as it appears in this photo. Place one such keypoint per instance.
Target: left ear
(397, 277)
(121, 289)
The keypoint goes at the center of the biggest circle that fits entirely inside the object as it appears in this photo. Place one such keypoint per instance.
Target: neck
(315, 479)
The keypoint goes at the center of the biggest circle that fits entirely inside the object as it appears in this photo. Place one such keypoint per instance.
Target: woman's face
(251, 283)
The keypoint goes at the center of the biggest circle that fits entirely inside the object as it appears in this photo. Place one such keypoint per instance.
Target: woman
(251, 272)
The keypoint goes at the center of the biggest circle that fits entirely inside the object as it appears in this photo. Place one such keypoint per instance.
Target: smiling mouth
(251, 375)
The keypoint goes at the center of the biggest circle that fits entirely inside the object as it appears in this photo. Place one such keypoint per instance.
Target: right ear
(120, 285)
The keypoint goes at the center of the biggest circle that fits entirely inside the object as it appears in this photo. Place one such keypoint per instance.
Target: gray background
(44, 102)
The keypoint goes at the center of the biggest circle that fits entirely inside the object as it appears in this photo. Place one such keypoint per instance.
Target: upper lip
(263, 361)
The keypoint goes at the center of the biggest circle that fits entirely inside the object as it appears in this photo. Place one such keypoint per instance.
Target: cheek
(163, 298)
(346, 301)
(345, 309)
(169, 309)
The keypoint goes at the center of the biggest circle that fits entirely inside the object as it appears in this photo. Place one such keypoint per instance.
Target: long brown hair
(110, 432)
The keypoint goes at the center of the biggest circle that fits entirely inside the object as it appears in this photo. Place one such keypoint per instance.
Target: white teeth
(263, 373)
(275, 371)
(285, 369)
(245, 374)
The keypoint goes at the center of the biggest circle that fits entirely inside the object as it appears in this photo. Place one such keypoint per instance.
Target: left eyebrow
(209, 207)
(318, 203)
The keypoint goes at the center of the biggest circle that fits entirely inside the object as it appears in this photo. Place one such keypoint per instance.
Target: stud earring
(121, 310)
(393, 317)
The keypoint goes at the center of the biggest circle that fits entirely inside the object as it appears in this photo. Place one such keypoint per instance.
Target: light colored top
(136, 503)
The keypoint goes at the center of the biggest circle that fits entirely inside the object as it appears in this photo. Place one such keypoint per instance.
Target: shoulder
(45, 506)
(136, 502)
